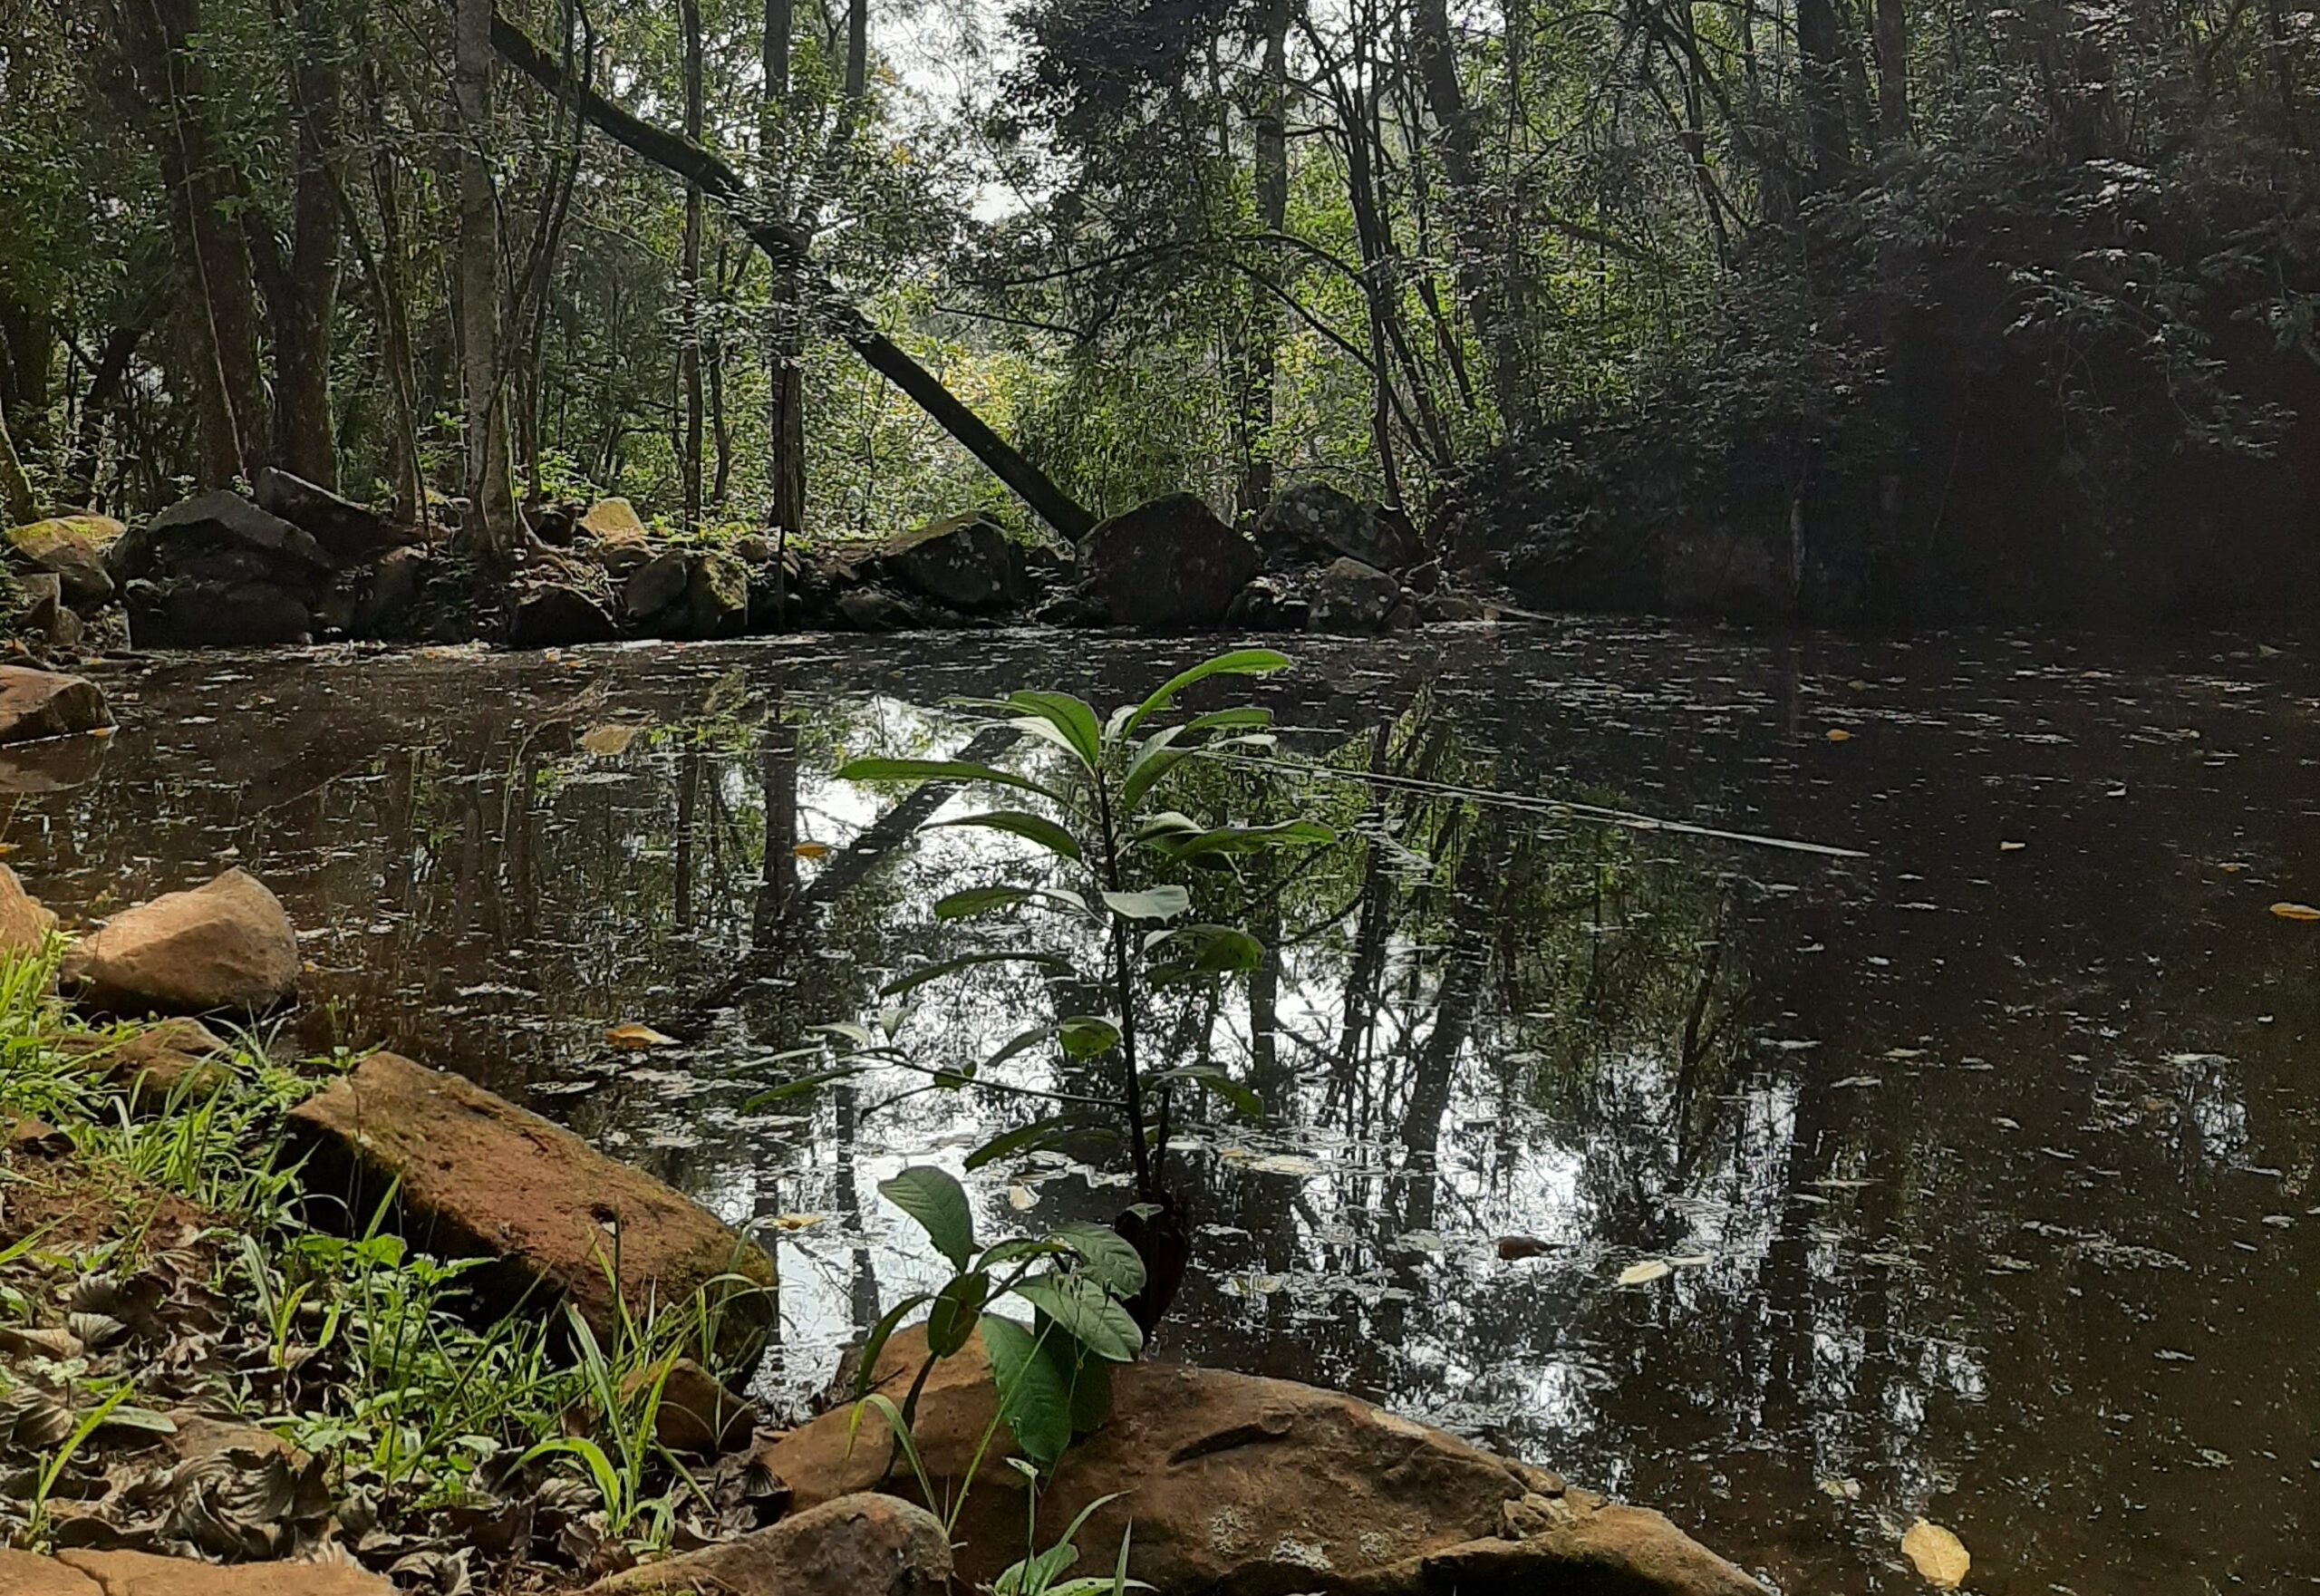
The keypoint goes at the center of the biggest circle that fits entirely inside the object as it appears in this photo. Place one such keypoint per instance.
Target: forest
(1893, 308)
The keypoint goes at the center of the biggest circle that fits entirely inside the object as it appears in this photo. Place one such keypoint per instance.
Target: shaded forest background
(1845, 308)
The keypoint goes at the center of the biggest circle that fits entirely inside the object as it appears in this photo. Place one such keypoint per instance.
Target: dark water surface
(1984, 1163)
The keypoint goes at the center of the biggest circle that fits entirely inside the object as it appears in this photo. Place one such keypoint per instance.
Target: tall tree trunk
(77, 487)
(1893, 34)
(490, 527)
(689, 273)
(166, 90)
(302, 290)
(1820, 48)
(786, 345)
(1484, 269)
(1270, 138)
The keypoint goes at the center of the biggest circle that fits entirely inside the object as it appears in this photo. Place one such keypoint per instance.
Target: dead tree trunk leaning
(787, 251)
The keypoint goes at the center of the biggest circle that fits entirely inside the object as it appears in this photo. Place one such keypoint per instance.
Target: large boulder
(655, 586)
(1241, 1486)
(24, 921)
(1312, 521)
(73, 1572)
(35, 704)
(225, 945)
(613, 520)
(861, 1545)
(73, 549)
(1168, 566)
(349, 533)
(967, 562)
(195, 613)
(553, 615)
(1353, 597)
(717, 597)
(218, 520)
(478, 1177)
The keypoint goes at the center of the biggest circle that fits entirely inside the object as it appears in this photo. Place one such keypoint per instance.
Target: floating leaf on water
(1839, 734)
(1940, 1556)
(1856, 1080)
(1022, 1198)
(1284, 1163)
(1645, 1272)
(1846, 1490)
(811, 850)
(2012, 848)
(2296, 912)
(1692, 1260)
(635, 1038)
(796, 1222)
(610, 740)
(1514, 1249)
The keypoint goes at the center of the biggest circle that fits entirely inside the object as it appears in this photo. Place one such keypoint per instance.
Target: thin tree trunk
(1820, 47)
(784, 348)
(78, 484)
(15, 487)
(1270, 136)
(302, 291)
(490, 527)
(786, 250)
(689, 274)
(1892, 34)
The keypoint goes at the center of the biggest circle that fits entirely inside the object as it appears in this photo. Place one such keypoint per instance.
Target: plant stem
(1123, 973)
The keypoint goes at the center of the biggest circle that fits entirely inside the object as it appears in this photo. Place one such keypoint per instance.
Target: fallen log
(787, 247)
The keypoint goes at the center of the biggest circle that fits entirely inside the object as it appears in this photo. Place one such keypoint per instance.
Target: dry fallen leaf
(635, 1038)
(1839, 734)
(797, 1220)
(1643, 1273)
(812, 850)
(1844, 1490)
(2296, 912)
(2012, 848)
(1940, 1556)
(1021, 1197)
(609, 739)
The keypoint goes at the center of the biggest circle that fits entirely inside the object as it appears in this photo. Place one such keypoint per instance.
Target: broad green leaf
(939, 1202)
(1070, 716)
(1085, 1312)
(951, 1319)
(1154, 758)
(1038, 828)
(1227, 719)
(1022, 1042)
(1015, 1249)
(1210, 1079)
(938, 770)
(1114, 1264)
(1084, 1036)
(1017, 1140)
(1210, 950)
(1033, 1398)
(1166, 823)
(1246, 661)
(978, 900)
(918, 978)
(1246, 840)
(1158, 903)
(1091, 1388)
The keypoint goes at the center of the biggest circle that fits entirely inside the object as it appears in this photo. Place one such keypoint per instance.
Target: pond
(1941, 1087)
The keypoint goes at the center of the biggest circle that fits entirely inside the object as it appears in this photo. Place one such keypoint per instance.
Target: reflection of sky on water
(1987, 1175)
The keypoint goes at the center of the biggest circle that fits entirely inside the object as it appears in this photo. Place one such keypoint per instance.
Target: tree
(491, 528)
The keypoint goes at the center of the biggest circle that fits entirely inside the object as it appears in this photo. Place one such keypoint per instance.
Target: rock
(349, 533)
(966, 561)
(1314, 518)
(480, 1177)
(1450, 607)
(227, 944)
(857, 1545)
(217, 519)
(1168, 566)
(697, 1414)
(717, 597)
(73, 549)
(553, 615)
(24, 923)
(874, 609)
(654, 586)
(1353, 597)
(217, 615)
(754, 549)
(557, 524)
(57, 765)
(1266, 605)
(158, 1059)
(27, 1574)
(139, 1573)
(613, 520)
(40, 602)
(1245, 1486)
(35, 704)
(390, 590)
(1423, 579)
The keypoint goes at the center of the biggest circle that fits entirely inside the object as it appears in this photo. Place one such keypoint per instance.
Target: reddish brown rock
(1243, 1486)
(35, 704)
(25, 923)
(478, 1177)
(225, 945)
(697, 1414)
(137, 1574)
(861, 1545)
(158, 1059)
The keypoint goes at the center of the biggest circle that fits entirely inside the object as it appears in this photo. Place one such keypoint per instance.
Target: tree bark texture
(689, 274)
(491, 526)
